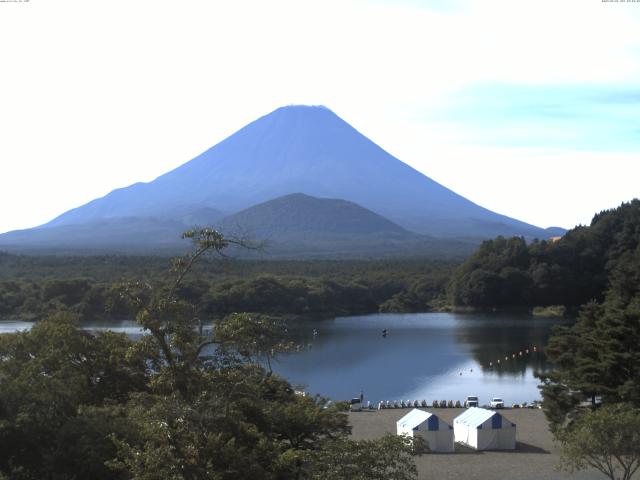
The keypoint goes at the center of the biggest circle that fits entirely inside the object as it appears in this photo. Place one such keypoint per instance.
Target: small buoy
(491, 364)
(471, 370)
(527, 350)
(535, 349)
(506, 358)
(460, 373)
(498, 361)
(520, 353)
(513, 356)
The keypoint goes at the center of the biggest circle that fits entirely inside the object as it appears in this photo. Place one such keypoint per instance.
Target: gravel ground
(535, 456)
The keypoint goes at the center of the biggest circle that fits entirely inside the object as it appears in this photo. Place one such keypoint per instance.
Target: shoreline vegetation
(290, 290)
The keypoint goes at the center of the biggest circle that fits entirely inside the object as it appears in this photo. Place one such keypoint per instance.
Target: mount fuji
(294, 149)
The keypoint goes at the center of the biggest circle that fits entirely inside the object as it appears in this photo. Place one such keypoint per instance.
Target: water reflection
(424, 356)
(505, 344)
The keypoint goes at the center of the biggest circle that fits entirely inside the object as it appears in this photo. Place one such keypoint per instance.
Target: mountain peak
(316, 117)
(302, 109)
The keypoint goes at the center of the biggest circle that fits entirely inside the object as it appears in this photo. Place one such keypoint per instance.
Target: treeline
(577, 268)
(33, 287)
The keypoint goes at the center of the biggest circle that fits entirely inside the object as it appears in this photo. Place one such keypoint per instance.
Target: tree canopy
(570, 271)
(592, 394)
(607, 439)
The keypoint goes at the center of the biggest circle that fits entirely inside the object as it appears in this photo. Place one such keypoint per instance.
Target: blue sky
(527, 108)
(581, 117)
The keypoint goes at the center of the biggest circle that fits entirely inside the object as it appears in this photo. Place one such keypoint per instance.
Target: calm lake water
(427, 356)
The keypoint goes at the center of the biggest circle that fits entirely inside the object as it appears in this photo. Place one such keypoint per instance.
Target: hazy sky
(529, 108)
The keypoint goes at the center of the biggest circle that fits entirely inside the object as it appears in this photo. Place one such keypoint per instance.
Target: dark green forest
(30, 286)
(599, 356)
(591, 396)
(579, 267)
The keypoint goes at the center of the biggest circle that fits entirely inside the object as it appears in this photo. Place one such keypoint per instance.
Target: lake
(429, 356)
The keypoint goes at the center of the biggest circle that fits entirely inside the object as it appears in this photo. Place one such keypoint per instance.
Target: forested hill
(571, 271)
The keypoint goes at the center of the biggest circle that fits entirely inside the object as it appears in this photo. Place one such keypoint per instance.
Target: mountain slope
(299, 225)
(129, 234)
(297, 215)
(309, 150)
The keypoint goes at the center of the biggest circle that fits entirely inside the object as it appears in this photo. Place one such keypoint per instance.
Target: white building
(483, 429)
(437, 434)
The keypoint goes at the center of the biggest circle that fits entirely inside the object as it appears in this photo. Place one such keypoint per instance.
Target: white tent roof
(414, 418)
(474, 417)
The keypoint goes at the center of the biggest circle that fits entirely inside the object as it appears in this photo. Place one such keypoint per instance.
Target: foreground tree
(389, 457)
(607, 439)
(592, 395)
(594, 360)
(213, 411)
(59, 388)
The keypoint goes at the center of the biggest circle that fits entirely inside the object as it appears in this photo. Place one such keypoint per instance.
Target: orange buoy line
(534, 349)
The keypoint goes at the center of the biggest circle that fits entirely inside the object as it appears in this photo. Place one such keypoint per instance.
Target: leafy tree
(597, 357)
(571, 271)
(54, 379)
(607, 439)
(388, 457)
(256, 338)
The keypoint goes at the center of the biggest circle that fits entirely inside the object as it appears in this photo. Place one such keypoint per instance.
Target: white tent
(484, 430)
(437, 434)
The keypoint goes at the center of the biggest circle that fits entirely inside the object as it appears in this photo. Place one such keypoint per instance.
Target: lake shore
(535, 457)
